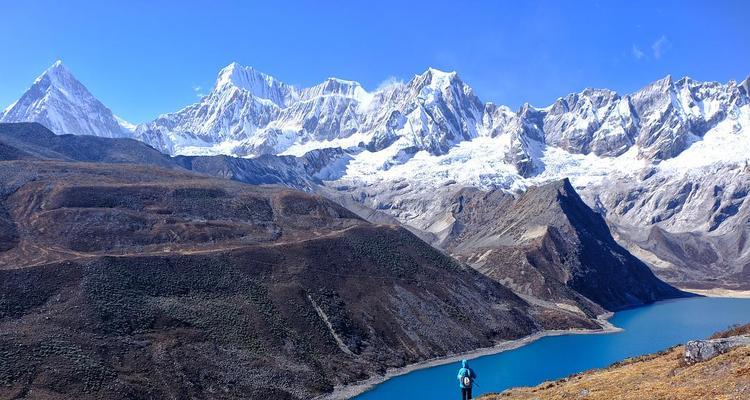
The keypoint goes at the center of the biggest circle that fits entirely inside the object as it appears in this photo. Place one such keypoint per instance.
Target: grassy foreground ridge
(663, 375)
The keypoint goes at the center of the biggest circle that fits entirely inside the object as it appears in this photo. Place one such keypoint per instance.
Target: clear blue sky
(142, 59)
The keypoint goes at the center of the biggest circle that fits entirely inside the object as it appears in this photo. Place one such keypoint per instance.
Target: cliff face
(549, 244)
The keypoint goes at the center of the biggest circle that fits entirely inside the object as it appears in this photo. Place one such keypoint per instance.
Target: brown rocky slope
(547, 243)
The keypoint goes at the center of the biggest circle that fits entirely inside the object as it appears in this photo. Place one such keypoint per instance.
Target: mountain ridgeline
(248, 112)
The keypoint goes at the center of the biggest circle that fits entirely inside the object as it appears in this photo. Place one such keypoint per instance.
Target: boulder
(701, 350)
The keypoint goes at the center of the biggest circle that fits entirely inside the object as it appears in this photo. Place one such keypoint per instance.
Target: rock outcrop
(702, 350)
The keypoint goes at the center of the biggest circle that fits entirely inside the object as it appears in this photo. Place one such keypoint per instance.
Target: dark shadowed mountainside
(32, 140)
(549, 244)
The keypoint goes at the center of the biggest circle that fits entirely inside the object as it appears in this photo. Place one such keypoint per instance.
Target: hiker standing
(466, 378)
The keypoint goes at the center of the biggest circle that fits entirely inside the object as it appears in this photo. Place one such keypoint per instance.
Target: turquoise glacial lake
(646, 330)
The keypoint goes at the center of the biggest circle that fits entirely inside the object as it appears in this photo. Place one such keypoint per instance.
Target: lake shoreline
(719, 292)
(355, 389)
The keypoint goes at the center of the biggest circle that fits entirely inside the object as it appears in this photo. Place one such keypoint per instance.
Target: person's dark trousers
(465, 393)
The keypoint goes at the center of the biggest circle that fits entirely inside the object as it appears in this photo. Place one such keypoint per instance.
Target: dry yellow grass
(655, 377)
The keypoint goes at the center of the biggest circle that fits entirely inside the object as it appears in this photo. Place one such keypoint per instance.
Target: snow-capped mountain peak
(438, 75)
(57, 71)
(667, 81)
(335, 86)
(257, 83)
(58, 77)
(435, 79)
(59, 101)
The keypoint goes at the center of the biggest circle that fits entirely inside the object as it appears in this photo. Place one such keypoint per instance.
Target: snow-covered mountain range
(662, 164)
(249, 113)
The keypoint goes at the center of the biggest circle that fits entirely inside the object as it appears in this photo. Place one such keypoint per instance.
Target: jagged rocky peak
(590, 103)
(673, 115)
(594, 120)
(691, 93)
(56, 78)
(58, 75)
(257, 83)
(60, 102)
(435, 77)
(434, 111)
(335, 86)
(434, 80)
(663, 85)
(589, 98)
(531, 113)
(531, 124)
(526, 133)
(745, 86)
(652, 100)
(496, 118)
